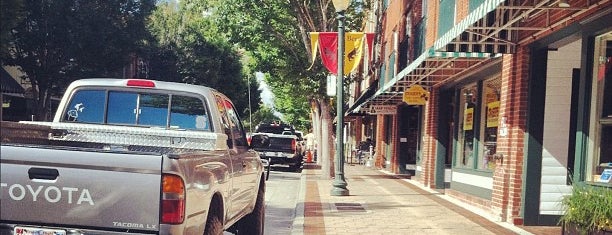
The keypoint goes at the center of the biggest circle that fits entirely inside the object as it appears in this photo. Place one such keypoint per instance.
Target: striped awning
(477, 14)
(8, 85)
(429, 69)
(493, 28)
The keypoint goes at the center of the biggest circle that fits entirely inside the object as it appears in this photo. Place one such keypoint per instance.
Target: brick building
(519, 102)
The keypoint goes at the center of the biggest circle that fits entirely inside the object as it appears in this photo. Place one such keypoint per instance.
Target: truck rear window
(137, 108)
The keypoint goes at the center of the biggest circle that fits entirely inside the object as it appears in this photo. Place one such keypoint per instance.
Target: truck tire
(214, 226)
(253, 223)
(297, 165)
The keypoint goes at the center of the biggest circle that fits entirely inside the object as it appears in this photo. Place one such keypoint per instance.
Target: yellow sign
(416, 95)
(468, 119)
(493, 114)
(490, 97)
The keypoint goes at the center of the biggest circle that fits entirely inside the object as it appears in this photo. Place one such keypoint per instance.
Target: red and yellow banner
(327, 43)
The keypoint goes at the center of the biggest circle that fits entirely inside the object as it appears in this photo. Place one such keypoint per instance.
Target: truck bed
(55, 183)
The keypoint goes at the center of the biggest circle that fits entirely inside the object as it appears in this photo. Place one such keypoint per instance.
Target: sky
(266, 94)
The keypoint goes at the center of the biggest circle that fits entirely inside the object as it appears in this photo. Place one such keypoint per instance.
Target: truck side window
(224, 121)
(86, 106)
(235, 125)
(188, 113)
(122, 108)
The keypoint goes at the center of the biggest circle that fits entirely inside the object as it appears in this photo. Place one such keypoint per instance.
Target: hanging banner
(353, 45)
(468, 119)
(328, 46)
(415, 95)
(383, 109)
(314, 44)
(327, 43)
(493, 114)
(369, 41)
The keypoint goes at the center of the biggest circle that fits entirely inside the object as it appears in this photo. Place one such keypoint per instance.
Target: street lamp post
(339, 184)
(249, 91)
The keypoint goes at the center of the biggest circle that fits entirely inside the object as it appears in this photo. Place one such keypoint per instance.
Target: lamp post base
(339, 188)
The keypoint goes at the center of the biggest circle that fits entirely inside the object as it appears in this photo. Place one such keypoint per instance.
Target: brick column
(431, 34)
(507, 182)
(380, 134)
(358, 130)
(394, 144)
(428, 158)
(463, 10)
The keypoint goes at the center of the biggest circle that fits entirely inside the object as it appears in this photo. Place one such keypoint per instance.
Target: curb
(297, 227)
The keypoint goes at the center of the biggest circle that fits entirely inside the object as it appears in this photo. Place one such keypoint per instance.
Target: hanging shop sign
(331, 85)
(415, 95)
(383, 109)
(493, 114)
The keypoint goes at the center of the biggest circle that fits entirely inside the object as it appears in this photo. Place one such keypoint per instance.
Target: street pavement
(282, 189)
(378, 203)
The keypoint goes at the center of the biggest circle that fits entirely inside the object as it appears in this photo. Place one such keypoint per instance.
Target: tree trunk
(327, 142)
(41, 101)
(316, 128)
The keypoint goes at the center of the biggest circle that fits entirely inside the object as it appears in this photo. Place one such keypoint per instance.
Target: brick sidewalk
(383, 204)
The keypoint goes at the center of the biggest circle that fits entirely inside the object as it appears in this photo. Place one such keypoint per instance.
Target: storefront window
(465, 129)
(478, 121)
(488, 125)
(601, 114)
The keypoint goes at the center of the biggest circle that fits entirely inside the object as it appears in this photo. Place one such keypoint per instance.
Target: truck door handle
(43, 173)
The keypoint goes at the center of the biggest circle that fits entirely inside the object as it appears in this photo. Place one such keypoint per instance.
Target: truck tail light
(293, 145)
(141, 83)
(173, 199)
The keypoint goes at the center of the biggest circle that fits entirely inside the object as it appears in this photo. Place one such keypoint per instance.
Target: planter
(574, 229)
(588, 210)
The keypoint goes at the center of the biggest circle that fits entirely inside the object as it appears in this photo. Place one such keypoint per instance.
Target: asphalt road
(282, 189)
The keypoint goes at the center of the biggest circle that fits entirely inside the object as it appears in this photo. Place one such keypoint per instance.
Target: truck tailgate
(72, 187)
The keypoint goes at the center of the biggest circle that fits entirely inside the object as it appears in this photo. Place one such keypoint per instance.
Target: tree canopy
(59, 41)
(189, 48)
(276, 34)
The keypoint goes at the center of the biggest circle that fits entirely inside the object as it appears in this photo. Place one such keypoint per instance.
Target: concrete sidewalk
(381, 203)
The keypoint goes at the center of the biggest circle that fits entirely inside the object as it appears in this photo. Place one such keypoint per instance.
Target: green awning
(420, 68)
(480, 12)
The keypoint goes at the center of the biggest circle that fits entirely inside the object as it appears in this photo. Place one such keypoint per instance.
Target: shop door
(408, 138)
(387, 142)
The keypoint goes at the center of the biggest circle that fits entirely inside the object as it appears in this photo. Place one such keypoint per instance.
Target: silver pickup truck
(127, 156)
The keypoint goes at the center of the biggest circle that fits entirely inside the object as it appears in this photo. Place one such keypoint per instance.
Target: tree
(60, 41)
(189, 48)
(276, 34)
(264, 114)
(12, 13)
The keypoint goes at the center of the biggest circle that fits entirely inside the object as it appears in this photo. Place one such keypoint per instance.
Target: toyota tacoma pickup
(132, 156)
(279, 144)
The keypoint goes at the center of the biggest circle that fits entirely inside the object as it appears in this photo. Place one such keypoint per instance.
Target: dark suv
(278, 143)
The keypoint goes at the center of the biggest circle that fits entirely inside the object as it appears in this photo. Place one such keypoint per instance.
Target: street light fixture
(339, 184)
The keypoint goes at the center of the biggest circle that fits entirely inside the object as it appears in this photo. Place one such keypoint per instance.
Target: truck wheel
(214, 226)
(253, 223)
(297, 165)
